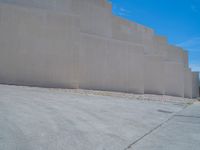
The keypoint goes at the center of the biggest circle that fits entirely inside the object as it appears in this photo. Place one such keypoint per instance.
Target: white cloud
(195, 67)
(192, 45)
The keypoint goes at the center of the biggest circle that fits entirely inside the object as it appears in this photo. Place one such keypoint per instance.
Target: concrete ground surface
(53, 119)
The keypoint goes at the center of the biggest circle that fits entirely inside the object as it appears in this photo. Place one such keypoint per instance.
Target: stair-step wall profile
(81, 44)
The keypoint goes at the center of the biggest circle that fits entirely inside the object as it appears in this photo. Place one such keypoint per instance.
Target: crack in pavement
(157, 127)
(198, 117)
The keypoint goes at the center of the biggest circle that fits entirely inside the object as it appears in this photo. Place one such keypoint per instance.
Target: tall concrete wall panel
(154, 75)
(155, 48)
(131, 59)
(92, 62)
(148, 42)
(110, 65)
(125, 31)
(101, 3)
(195, 84)
(188, 83)
(174, 79)
(185, 59)
(160, 50)
(95, 19)
(38, 48)
(173, 54)
(161, 39)
(61, 6)
(160, 43)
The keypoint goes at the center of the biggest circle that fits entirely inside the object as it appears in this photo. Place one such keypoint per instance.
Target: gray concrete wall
(125, 31)
(38, 47)
(95, 19)
(154, 75)
(61, 6)
(47, 50)
(157, 47)
(174, 79)
(174, 54)
(195, 84)
(185, 59)
(112, 65)
(188, 83)
(161, 39)
(80, 44)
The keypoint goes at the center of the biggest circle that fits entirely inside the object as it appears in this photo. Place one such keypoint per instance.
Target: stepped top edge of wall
(60, 4)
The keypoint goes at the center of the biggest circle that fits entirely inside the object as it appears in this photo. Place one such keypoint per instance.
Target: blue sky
(179, 20)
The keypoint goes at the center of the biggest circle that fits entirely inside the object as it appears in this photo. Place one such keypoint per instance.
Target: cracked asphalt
(53, 119)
